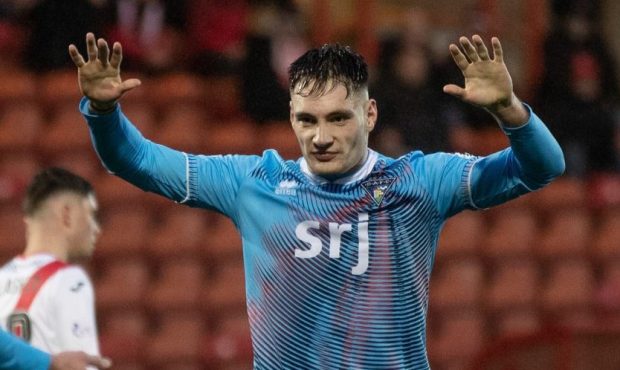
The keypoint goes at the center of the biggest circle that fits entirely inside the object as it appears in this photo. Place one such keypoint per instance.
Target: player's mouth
(324, 156)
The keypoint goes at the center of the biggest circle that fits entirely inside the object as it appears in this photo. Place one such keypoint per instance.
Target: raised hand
(99, 77)
(487, 81)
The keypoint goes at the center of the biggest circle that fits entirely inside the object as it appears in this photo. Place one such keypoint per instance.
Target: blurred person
(44, 298)
(51, 23)
(151, 30)
(17, 355)
(579, 88)
(217, 30)
(338, 245)
(274, 40)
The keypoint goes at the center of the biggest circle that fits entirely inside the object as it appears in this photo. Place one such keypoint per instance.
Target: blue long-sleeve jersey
(336, 273)
(17, 355)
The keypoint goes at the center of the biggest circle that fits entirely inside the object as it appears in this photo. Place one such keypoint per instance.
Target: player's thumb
(454, 90)
(130, 84)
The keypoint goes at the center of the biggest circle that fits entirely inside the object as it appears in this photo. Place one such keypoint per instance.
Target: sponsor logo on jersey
(287, 187)
(378, 188)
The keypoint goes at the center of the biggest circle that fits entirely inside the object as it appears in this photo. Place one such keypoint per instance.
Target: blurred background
(534, 284)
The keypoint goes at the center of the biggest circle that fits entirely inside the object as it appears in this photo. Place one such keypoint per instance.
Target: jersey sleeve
(458, 182)
(17, 355)
(448, 181)
(532, 161)
(74, 311)
(197, 180)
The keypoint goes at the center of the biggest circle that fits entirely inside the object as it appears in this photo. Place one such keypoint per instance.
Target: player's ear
(371, 114)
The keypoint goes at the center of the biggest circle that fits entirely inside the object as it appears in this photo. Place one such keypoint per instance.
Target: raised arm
(534, 158)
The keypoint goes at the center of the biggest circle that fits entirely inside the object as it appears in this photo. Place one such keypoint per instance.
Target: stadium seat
(122, 283)
(179, 232)
(59, 87)
(457, 285)
(17, 85)
(142, 115)
(176, 87)
(456, 340)
(568, 291)
(16, 172)
(565, 192)
(279, 136)
(567, 233)
(176, 341)
(122, 336)
(461, 235)
(222, 97)
(12, 231)
(225, 293)
(178, 285)
(84, 163)
(183, 127)
(224, 242)
(125, 229)
(232, 136)
(67, 131)
(21, 123)
(516, 322)
(230, 345)
(513, 284)
(512, 233)
(606, 240)
(113, 191)
(607, 294)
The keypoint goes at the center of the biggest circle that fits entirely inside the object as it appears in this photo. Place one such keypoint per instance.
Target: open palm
(487, 81)
(99, 77)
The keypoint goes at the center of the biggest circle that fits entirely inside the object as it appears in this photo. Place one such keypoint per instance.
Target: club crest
(377, 188)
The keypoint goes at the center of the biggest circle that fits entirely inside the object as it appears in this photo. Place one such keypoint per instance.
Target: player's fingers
(460, 59)
(130, 84)
(99, 362)
(117, 55)
(91, 47)
(454, 90)
(104, 52)
(481, 48)
(76, 56)
(498, 53)
(469, 49)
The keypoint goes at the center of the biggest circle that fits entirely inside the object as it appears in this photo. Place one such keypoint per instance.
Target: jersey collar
(360, 174)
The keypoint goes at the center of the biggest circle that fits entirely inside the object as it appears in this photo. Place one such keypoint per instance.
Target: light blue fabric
(336, 274)
(17, 355)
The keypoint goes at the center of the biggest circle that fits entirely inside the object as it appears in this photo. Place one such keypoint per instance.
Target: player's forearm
(17, 355)
(537, 152)
(127, 154)
(533, 160)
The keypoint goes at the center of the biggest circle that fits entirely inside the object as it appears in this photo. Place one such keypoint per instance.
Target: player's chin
(327, 169)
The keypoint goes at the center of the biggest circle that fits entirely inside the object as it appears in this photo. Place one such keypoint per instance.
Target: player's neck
(54, 245)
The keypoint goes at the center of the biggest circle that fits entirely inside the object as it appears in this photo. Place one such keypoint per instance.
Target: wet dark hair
(320, 67)
(52, 181)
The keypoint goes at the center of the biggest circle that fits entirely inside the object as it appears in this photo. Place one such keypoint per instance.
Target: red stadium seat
(568, 233)
(225, 294)
(457, 285)
(232, 136)
(280, 136)
(456, 340)
(21, 123)
(176, 341)
(183, 126)
(178, 286)
(224, 242)
(513, 233)
(513, 285)
(124, 231)
(122, 337)
(606, 240)
(180, 232)
(122, 284)
(461, 235)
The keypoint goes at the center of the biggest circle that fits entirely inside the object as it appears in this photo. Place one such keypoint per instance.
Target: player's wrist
(101, 107)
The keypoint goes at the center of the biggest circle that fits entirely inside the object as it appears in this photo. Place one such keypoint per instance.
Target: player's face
(332, 129)
(85, 227)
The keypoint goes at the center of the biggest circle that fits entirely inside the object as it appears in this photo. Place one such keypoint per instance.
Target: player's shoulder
(73, 278)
